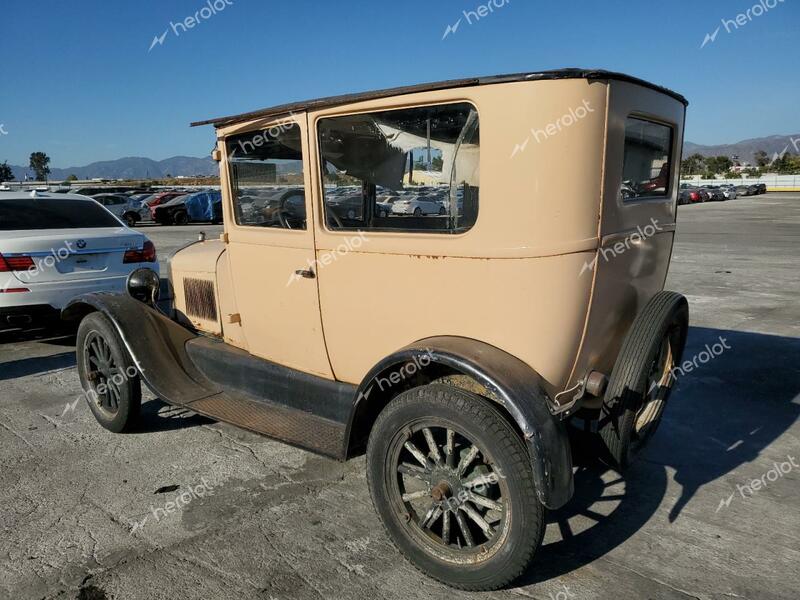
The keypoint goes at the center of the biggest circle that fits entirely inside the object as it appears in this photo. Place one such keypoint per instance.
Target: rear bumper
(57, 294)
(20, 316)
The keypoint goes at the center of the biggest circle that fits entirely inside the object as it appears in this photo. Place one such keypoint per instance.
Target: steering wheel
(284, 214)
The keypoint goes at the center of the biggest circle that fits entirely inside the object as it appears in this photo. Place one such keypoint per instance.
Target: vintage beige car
(456, 344)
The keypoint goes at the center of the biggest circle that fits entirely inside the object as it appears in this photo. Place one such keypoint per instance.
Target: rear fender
(509, 382)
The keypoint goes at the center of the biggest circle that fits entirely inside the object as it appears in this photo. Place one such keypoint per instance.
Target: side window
(647, 166)
(266, 173)
(414, 169)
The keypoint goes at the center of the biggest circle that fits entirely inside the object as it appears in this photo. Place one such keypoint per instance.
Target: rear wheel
(642, 379)
(418, 212)
(180, 218)
(108, 376)
(130, 220)
(452, 482)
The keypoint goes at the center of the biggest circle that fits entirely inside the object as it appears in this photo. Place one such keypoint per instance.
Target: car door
(271, 244)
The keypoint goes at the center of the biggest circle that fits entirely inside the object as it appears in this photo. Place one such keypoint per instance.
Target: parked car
(761, 188)
(729, 190)
(196, 207)
(55, 247)
(423, 204)
(462, 391)
(689, 195)
(162, 198)
(122, 206)
(715, 194)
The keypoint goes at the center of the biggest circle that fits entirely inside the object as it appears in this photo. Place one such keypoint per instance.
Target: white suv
(54, 247)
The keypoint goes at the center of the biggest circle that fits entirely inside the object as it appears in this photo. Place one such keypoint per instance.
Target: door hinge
(234, 318)
(223, 237)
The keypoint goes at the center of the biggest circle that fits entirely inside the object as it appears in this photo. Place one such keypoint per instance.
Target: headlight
(144, 285)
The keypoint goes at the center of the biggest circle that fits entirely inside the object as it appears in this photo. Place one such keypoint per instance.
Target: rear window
(647, 166)
(53, 213)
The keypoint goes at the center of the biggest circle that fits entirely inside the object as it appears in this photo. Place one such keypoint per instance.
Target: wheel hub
(441, 491)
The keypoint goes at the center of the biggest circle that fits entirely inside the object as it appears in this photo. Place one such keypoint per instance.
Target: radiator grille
(200, 299)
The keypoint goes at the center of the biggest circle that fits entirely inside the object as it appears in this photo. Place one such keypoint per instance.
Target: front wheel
(107, 374)
(452, 482)
(130, 220)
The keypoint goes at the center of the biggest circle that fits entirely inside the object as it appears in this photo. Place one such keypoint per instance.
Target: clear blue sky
(79, 83)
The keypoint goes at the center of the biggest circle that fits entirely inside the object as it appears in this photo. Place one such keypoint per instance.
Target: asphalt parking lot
(189, 508)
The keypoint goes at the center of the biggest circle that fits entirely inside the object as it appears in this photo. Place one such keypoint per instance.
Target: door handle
(305, 273)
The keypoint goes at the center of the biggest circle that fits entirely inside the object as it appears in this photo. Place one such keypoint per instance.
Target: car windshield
(53, 213)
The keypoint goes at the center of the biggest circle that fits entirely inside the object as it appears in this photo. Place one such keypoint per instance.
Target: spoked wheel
(108, 376)
(452, 482)
(642, 379)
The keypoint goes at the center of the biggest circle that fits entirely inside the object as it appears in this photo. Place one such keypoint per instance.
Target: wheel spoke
(434, 512)
(480, 480)
(446, 528)
(467, 459)
(449, 448)
(415, 495)
(479, 520)
(462, 525)
(413, 471)
(483, 501)
(93, 360)
(432, 447)
(417, 453)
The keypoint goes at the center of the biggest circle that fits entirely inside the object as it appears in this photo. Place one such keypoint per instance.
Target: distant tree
(437, 163)
(40, 162)
(6, 174)
(761, 158)
(694, 164)
(72, 177)
(733, 175)
(719, 164)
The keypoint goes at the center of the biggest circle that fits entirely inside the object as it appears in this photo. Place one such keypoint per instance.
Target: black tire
(112, 388)
(418, 212)
(180, 218)
(500, 461)
(130, 220)
(642, 379)
(442, 211)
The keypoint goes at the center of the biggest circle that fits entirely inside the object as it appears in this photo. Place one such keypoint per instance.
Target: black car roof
(330, 101)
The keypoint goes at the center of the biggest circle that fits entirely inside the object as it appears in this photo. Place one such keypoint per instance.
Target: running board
(294, 427)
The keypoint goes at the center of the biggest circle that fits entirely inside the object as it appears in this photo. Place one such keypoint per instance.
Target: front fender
(156, 344)
(511, 383)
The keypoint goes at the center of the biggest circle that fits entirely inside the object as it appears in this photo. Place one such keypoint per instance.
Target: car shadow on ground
(159, 416)
(722, 415)
(58, 336)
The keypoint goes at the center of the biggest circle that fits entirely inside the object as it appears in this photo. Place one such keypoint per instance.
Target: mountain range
(136, 167)
(773, 144)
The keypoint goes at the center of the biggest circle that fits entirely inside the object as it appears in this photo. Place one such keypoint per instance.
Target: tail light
(13, 290)
(146, 254)
(15, 263)
(694, 196)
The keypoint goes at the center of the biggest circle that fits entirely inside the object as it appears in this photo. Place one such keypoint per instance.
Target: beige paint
(514, 280)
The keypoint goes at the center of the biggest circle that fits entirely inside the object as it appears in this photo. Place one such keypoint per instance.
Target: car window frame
(298, 120)
(672, 154)
(320, 175)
